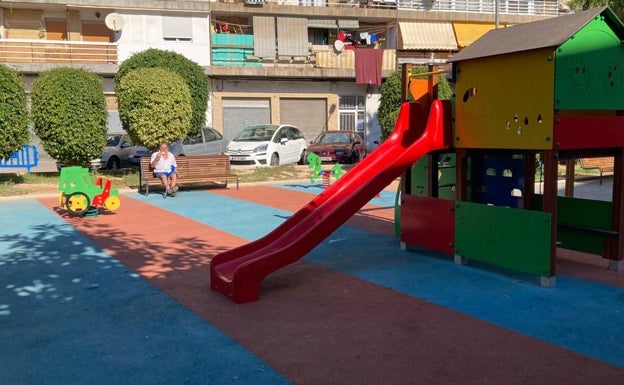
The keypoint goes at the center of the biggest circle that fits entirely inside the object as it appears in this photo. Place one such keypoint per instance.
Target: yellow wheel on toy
(77, 203)
(62, 200)
(112, 203)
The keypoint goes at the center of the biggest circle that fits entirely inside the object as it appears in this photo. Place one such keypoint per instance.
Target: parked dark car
(339, 146)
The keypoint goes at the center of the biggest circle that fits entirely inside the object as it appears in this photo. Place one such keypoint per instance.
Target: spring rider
(79, 195)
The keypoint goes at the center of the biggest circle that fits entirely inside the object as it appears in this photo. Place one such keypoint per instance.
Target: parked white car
(268, 144)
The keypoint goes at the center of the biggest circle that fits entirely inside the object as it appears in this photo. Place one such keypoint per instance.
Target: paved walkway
(125, 299)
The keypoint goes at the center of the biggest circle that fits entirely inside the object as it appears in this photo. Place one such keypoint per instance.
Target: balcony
(505, 7)
(57, 52)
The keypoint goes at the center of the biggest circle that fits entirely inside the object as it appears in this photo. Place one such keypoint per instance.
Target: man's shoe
(174, 189)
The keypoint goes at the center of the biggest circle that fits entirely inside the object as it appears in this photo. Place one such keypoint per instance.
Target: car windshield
(113, 140)
(333, 138)
(255, 134)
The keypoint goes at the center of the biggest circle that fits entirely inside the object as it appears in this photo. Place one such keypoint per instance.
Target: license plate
(326, 158)
(239, 158)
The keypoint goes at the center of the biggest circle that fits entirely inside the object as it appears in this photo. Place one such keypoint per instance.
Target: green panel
(418, 185)
(589, 70)
(236, 57)
(233, 39)
(512, 238)
(581, 213)
(446, 177)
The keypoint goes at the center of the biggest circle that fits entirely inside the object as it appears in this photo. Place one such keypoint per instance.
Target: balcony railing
(512, 7)
(53, 51)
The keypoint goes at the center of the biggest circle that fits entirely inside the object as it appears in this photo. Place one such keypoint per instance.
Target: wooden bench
(602, 164)
(191, 170)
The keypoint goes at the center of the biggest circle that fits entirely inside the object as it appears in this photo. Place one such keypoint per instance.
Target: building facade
(316, 64)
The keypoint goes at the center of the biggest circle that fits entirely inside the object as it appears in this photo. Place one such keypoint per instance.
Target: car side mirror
(126, 145)
(283, 140)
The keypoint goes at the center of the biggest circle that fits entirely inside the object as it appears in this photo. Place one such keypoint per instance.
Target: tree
(390, 102)
(191, 72)
(154, 106)
(13, 112)
(617, 6)
(69, 114)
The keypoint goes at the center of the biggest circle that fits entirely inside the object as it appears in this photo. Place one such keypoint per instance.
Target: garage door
(239, 113)
(309, 115)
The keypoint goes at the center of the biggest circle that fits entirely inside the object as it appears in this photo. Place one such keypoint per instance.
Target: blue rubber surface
(71, 314)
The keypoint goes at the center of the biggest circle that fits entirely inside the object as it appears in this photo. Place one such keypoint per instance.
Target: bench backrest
(602, 163)
(193, 164)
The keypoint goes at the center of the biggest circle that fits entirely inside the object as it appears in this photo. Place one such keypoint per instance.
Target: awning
(427, 36)
(348, 24)
(466, 33)
(322, 23)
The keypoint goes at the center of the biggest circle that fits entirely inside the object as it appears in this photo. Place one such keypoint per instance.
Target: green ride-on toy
(79, 193)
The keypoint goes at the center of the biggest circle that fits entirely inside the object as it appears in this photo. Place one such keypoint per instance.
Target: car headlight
(341, 152)
(261, 148)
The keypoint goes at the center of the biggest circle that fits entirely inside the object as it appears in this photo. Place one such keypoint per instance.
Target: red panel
(579, 132)
(428, 222)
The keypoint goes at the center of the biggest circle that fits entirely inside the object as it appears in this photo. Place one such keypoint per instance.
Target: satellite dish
(114, 21)
(338, 45)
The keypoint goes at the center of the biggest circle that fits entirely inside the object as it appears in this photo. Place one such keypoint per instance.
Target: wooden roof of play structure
(535, 35)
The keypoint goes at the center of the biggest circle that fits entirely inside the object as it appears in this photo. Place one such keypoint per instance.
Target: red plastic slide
(237, 273)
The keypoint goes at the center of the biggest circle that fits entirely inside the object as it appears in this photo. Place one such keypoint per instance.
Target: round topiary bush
(154, 106)
(13, 112)
(69, 114)
(192, 73)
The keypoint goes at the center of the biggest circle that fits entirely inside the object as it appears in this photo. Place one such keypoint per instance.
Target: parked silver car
(118, 150)
(208, 142)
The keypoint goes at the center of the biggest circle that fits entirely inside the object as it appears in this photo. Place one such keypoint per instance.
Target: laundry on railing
(27, 158)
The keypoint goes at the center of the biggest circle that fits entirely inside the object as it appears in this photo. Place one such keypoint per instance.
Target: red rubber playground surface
(356, 310)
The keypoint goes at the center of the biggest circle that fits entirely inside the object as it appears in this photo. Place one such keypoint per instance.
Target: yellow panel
(466, 33)
(505, 101)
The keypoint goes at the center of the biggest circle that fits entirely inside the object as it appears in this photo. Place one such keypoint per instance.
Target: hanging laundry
(368, 62)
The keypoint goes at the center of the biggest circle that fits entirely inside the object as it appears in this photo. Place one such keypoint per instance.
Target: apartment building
(317, 64)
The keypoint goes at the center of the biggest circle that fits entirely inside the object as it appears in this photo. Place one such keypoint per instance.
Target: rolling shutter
(309, 115)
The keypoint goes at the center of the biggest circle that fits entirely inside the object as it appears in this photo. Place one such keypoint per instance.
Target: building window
(318, 36)
(353, 113)
(177, 28)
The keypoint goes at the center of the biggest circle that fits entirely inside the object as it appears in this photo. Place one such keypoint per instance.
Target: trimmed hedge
(154, 106)
(192, 73)
(13, 112)
(69, 114)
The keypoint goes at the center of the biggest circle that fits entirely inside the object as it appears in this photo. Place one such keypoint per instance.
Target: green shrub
(69, 114)
(192, 73)
(390, 102)
(154, 106)
(13, 112)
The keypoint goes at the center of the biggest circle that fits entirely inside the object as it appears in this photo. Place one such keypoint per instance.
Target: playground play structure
(79, 194)
(551, 91)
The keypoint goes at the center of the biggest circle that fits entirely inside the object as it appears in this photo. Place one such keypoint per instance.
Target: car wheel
(113, 163)
(303, 158)
(274, 160)
(355, 157)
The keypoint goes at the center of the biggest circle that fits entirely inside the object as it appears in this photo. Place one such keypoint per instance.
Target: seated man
(164, 164)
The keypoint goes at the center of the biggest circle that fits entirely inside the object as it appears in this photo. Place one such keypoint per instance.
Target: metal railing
(513, 7)
(26, 158)
(57, 51)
